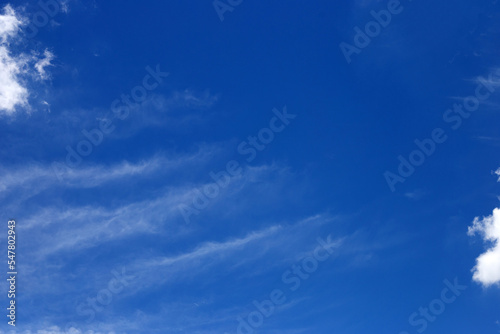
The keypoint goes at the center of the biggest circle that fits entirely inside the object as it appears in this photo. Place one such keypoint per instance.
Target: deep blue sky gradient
(352, 122)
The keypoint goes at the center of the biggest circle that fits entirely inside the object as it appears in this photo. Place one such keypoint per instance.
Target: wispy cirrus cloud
(178, 110)
(267, 251)
(212, 248)
(264, 250)
(80, 228)
(34, 178)
(87, 225)
(61, 231)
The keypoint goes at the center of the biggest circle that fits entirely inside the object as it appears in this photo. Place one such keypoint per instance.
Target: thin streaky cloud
(41, 177)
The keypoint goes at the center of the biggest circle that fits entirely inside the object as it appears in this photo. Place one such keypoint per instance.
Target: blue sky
(251, 167)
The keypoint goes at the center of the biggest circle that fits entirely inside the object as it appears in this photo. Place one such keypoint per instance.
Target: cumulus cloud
(12, 92)
(10, 24)
(15, 67)
(487, 269)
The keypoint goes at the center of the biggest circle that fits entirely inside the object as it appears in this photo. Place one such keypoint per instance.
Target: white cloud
(64, 6)
(33, 179)
(10, 24)
(497, 172)
(12, 92)
(190, 99)
(44, 62)
(262, 250)
(83, 227)
(14, 67)
(487, 269)
(211, 248)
